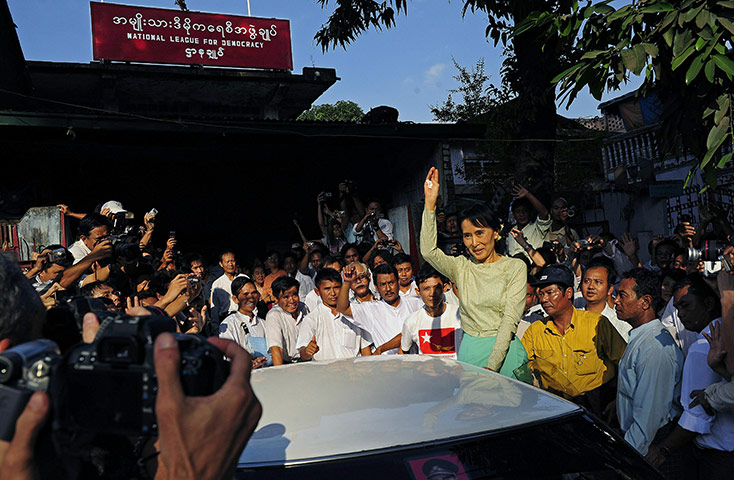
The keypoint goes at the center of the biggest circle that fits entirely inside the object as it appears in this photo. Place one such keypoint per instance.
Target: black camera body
(110, 385)
(24, 369)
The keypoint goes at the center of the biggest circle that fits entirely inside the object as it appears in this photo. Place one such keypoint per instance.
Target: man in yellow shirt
(573, 353)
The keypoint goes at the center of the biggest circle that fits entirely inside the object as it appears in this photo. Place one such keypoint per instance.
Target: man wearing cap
(573, 353)
(440, 469)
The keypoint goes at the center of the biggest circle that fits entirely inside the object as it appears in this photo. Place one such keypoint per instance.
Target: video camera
(712, 251)
(108, 386)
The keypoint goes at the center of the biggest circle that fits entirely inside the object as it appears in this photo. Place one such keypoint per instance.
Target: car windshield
(575, 446)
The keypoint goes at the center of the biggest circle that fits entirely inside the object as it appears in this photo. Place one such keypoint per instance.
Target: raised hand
(518, 191)
(629, 245)
(430, 188)
(349, 273)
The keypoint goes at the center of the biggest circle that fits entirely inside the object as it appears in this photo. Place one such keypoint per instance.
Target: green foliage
(683, 51)
(478, 97)
(341, 111)
(351, 18)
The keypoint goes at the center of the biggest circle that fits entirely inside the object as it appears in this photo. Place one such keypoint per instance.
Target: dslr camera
(23, 370)
(712, 251)
(108, 386)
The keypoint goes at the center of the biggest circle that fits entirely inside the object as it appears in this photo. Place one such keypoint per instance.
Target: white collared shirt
(232, 328)
(281, 330)
(437, 336)
(682, 336)
(312, 300)
(306, 285)
(221, 297)
(382, 321)
(79, 250)
(411, 292)
(336, 336)
(368, 234)
(716, 432)
(649, 387)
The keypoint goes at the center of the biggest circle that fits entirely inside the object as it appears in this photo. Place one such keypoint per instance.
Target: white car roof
(314, 411)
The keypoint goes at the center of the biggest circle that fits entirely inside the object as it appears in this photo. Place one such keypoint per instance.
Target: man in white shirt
(711, 435)
(374, 226)
(325, 334)
(650, 370)
(434, 329)
(404, 266)
(221, 300)
(597, 284)
(290, 265)
(244, 326)
(312, 298)
(534, 231)
(382, 320)
(283, 321)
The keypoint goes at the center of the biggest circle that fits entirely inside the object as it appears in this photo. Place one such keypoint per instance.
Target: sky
(408, 67)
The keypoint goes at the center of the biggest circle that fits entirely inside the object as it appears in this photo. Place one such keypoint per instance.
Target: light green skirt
(476, 350)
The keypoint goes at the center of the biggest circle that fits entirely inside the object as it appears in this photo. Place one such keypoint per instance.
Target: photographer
(374, 226)
(186, 446)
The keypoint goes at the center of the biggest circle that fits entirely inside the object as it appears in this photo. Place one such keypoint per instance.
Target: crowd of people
(642, 346)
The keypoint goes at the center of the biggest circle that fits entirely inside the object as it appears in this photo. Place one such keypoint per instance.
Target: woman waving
(491, 287)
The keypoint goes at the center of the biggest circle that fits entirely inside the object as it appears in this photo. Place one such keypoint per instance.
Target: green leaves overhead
(684, 49)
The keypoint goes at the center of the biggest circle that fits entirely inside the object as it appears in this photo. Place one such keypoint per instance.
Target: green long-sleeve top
(491, 295)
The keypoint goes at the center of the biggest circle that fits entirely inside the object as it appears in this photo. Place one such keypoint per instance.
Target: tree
(477, 97)
(528, 69)
(684, 53)
(341, 111)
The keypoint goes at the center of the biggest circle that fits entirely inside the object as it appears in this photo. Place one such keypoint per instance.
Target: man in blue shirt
(649, 385)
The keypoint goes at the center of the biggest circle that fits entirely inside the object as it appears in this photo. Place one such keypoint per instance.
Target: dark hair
(385, 269)
(19, 302)
(481, 215)
(662, 243)
(646, 283)
(92, 221)
(523, 202)
(89, 289)
(548, 255)
(225, 252)
(675, 273)
(146, 294)
(382, 253)
(190, 258)
(239, 283)
(333, 259)
(281, 284)
(426, 272)
(606, 265)
(699, 288)
(327, 274)
(346, 247)
(316, 250)
(401, 258)
(290, 254)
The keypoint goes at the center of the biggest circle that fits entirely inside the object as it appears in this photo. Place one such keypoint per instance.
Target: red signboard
(140, 34)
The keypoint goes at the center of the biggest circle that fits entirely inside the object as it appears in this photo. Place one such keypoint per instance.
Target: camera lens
(11, 366)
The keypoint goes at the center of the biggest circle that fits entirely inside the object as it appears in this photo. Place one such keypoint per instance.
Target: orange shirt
(267, 294)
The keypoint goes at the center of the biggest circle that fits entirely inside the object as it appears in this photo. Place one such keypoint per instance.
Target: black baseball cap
(551, 274)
